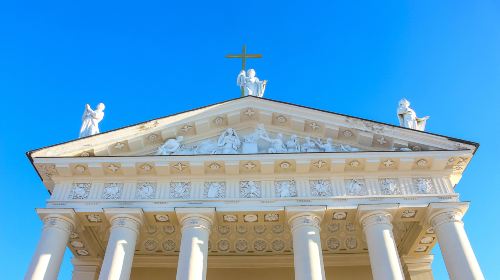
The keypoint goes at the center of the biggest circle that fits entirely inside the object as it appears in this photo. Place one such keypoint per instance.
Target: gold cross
(243, 55)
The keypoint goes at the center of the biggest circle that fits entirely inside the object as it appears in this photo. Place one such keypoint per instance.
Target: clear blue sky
(149, 59)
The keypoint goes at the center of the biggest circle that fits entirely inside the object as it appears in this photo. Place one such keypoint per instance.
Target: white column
(57, 227)
(125, 226)
(446, 219)
(196, 226)
(384, 258)
(307, 254)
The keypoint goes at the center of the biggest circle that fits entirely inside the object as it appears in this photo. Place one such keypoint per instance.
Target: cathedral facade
(253, 188)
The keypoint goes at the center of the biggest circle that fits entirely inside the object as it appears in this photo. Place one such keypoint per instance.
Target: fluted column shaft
(117, 263)
(458, 255)
(307, 253)
(196, 226)
(384, 258)
(49, 253)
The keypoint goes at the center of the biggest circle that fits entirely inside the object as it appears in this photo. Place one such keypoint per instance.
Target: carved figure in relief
(424, 185)
(170, 146)
(250, 145)
(255, 142)
(308, 146)
(285, 189)
(229, 141)
(112, 191)
(206, 147)
(355, 187)
(249, 189)
(320, 188)
(91, 119)
(347, 148)
(293, 145)
(389, 186)
(250, 84)
(80, 190)
(179, 190)
(214, 190)
(276, 144)
(145, 190)
(327, 146)
(408, 118)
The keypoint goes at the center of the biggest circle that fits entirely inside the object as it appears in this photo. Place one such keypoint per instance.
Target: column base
(418, 268)
(86, 269)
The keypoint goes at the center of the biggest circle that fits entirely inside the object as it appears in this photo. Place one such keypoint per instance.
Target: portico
(197, 223)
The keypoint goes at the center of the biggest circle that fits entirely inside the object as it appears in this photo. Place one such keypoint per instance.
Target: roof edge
(475, 144)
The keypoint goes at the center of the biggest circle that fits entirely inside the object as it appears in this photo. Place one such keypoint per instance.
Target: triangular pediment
(201, 129)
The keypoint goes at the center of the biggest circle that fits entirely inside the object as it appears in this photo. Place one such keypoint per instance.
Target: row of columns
(196, 223)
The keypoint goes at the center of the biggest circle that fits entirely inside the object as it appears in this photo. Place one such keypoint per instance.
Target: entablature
(256, 232)
(352, 164)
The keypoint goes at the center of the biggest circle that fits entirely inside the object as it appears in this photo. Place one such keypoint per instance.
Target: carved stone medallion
(150, 245)
(241, 245)
(80, 191)
(333, 243)
(356, 187)
(285, 188)
(259, 229)
(320, 187)
(351, 243)
(250, 189)
(180, 190)
(112, 191)
(278, 245)
(389, 186)
(260, 245)
(423, 185)
(169, 245)
(215, 190)
(223, 245)
(145, 190)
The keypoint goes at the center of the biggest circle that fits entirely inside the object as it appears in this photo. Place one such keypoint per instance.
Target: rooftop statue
(91, 119)
(250, 84)
(408, 118)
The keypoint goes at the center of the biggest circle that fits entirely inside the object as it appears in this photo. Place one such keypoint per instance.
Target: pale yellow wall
(337, 273)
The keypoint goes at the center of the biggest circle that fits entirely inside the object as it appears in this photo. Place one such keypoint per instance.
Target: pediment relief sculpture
(258, 141)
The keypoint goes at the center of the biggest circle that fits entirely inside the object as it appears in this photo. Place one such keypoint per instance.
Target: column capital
(376, 218)
(371, 214)
(305, 216)
(64, 219)
(445, 212)
(131, 218)
(202, 218)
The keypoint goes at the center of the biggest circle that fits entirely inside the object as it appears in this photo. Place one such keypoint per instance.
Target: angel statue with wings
(408, 118)
(91, 119)
(250, 84)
